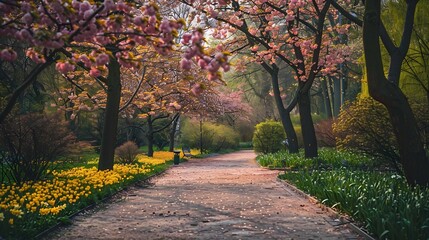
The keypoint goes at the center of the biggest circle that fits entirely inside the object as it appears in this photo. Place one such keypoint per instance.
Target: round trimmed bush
(268, 137)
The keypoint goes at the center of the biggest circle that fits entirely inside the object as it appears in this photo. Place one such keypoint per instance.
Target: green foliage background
(215, 137)
(268, 137)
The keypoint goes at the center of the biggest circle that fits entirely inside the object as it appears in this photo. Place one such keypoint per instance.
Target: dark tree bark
(336, 95)
(326, 98)
(173, 133)
(149, 136)
(110, 126)
(307, 127)
(387, 91)
(283, 112)
(303, 95)
(151, 129)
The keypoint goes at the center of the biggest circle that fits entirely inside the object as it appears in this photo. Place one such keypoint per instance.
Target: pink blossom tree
(99, 37)
(293, 32)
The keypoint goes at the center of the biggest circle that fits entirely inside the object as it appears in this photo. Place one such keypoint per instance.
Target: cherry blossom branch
(135, 92)
(167, 124)
(315, 60)
(347, 14)
(79, 87)
(100, 79)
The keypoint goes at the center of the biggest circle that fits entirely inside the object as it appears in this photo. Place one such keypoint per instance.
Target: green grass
(86, 159)
(384, 203)
(328, 159)
(380, 201)
(246, 145)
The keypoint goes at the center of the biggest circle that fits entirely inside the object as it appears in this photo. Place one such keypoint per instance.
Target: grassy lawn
(380, 201)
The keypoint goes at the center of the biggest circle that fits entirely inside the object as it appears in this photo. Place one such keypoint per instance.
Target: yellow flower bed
(50, 197)
(195, 151)
(158, 158)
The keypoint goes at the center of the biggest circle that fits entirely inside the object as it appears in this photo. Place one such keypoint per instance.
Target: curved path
(224, 197)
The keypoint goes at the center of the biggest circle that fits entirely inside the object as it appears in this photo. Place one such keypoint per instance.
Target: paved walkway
(224, 197)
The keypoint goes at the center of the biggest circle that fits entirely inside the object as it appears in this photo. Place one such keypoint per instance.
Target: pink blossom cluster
(8, 54)
(94, 32)
(287, 36)
(64, 67)
(195, 50)
(197, 89)
(49, 25)
(174, 106)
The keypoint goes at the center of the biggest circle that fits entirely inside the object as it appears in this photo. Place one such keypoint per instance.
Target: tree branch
(135, 92)
(28, 80)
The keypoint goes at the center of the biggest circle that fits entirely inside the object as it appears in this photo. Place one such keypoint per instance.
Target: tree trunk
(110, 127)
(292, 138)
(412, 154)
(307, 127)
(149, 136)
(337, 95)
(284, 114)
(411, 150)
(326, 98)
(173, 134)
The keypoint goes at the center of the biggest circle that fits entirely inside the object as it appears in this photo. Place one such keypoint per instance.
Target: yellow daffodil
(67, 187)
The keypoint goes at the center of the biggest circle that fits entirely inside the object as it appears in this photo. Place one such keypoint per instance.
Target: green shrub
(284, 159)
(30, 143)
(78, 153)
(127, 152)
(329, 158)
(364, 125)
(384, 203)
(246, 145)
(297, 122)
(161, 139)
(268, 137)
(214, 137)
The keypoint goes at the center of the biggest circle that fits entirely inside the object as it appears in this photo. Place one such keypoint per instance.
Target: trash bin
(176, 159)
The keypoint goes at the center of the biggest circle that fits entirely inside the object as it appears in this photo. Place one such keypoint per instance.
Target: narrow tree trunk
(337, 95)
(110, 127)
(292, 138)
(201, 136)
(411, 151)
(326, 98)
(149, 136)
(173, 134)
(307, 127)
(284, 114)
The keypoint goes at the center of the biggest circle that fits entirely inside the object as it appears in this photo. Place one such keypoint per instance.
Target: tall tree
(294, 32)
(97, 36)
(386, 89)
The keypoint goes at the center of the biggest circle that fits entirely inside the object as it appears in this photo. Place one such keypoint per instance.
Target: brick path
(224, 197)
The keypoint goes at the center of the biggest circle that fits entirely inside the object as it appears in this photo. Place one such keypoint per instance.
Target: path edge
(94, 205)
(332, 213)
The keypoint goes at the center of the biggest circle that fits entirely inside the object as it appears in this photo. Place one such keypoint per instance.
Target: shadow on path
(223, 197)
